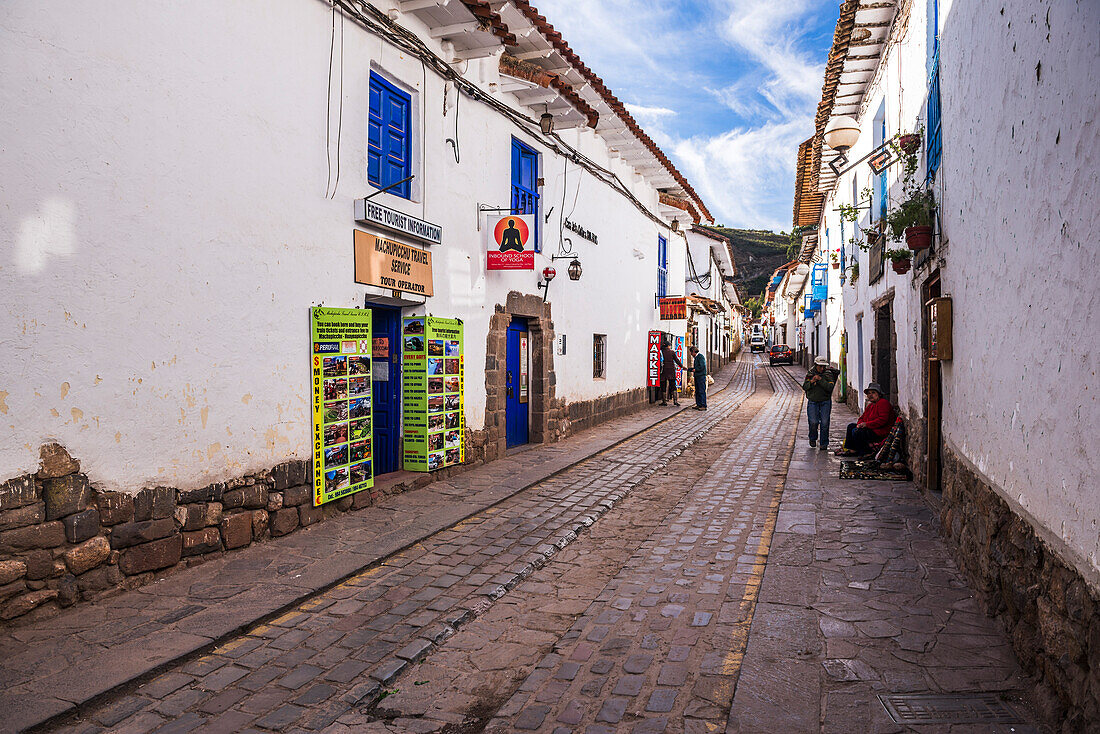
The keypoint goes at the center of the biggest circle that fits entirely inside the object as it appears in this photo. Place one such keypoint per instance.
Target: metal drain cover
(962, 708)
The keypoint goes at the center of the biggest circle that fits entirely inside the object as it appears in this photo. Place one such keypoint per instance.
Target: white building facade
(181, 185)
(1002, 416)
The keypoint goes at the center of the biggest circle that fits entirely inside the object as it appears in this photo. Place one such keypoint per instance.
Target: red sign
(380, 347)
(511, 242)
(673, 307)
(653, 360)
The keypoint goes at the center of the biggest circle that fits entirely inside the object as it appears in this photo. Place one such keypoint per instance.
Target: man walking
(818, 387)
(699, 370)
(669, 363)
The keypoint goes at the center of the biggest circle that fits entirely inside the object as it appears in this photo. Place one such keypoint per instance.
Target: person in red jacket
(873, 425)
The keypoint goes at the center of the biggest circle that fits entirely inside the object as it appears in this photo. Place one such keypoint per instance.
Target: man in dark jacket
(699, 371)
(669, 363)
(818, 387)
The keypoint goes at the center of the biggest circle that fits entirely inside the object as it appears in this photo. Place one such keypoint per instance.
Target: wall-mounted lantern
(575, 269)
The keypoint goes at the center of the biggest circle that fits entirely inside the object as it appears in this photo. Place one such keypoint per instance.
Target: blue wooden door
(517, 383)
(386, 389)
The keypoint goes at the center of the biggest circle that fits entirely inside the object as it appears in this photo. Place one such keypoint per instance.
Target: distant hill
(758, 253)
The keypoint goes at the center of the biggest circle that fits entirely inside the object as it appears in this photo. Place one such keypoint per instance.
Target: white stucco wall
(1018, 187)
(166, 229)
(1021, 191)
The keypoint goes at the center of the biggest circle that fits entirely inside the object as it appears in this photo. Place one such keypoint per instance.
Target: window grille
(662, 267)
(599, 355)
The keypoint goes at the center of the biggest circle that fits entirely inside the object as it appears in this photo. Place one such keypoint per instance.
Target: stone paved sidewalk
(340, 646)
(861, 599)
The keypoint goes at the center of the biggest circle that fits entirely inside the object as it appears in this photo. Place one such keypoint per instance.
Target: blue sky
(727, 88)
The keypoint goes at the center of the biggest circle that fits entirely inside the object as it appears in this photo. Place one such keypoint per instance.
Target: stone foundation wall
(62, 540)
(1048, 609)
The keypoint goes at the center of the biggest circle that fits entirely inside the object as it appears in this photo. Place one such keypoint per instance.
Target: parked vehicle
(757, 344)
(780, 353)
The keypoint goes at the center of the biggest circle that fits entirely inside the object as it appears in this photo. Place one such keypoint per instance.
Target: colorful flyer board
(433, 393)
(342, 411)
(510, 242)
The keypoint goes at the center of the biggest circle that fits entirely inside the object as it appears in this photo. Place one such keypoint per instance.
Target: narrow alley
(701, 575)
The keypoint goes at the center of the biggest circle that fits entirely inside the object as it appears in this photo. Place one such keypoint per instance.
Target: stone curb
(48, 711)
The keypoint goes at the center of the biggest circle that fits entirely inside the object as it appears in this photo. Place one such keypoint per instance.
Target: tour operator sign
(511, 242)
(394, 265)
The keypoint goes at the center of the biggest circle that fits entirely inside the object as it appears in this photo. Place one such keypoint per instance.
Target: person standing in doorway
(669, 363)
(699, 370)
(818, 387)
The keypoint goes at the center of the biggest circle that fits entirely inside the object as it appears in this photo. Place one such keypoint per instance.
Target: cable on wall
(378, 23)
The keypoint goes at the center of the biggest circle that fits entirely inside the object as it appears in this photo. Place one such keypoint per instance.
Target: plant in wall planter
(909, 143)
(853, 273)
(900, 260)
(834, 258)
(912, 217)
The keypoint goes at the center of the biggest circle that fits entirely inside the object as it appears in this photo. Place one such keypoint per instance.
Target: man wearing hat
(818, 387)
(873, 424)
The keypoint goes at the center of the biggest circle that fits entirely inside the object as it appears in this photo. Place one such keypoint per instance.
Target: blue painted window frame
(933, 114)
(662, 267)
(525, 178)
(389, 137)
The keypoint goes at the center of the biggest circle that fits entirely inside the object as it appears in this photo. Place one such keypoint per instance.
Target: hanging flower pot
(909, 143)
(901, 267)
(918, 237)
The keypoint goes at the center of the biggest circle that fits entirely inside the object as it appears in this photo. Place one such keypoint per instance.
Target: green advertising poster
(433, 390)
(341, 402)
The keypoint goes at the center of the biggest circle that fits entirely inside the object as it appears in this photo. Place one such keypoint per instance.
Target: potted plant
(900, 260)
(912, 217)
(854, 272)
(834, 258)
(909, 143)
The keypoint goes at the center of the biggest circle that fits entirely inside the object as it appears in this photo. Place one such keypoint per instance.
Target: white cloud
(643, 113)
(745, 174)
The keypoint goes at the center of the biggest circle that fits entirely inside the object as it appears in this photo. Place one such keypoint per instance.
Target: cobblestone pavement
(861, 599)
(460, 687)
(339, 648)
(660, 647)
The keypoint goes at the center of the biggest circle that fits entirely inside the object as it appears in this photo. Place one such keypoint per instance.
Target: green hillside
(758, 253)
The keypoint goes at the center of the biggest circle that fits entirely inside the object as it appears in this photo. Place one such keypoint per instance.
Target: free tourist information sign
(342, 413)
(433, 391)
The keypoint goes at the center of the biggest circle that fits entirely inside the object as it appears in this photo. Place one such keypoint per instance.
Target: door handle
(508, 377)
(509, 391)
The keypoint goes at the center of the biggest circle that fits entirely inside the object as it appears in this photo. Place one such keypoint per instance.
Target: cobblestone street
(708, 574)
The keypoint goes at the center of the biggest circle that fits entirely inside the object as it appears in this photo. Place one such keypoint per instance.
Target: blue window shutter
(389, 143)
(662, 267)
(525, 175)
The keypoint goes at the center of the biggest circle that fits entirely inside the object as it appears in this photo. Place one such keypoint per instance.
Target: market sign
(673, 307)
(368, 212)
(433, 388)
(394, 265)
(510, 242)
(342, 415)
(653, 360)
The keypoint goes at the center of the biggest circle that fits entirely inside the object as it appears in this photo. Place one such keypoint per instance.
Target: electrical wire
(328, 105)
(339, 110)
(453, 141)
(378, 23)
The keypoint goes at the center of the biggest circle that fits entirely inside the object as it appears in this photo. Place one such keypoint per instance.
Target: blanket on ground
(872, 470)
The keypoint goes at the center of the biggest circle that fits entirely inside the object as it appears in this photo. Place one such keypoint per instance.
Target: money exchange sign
(341, 387)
